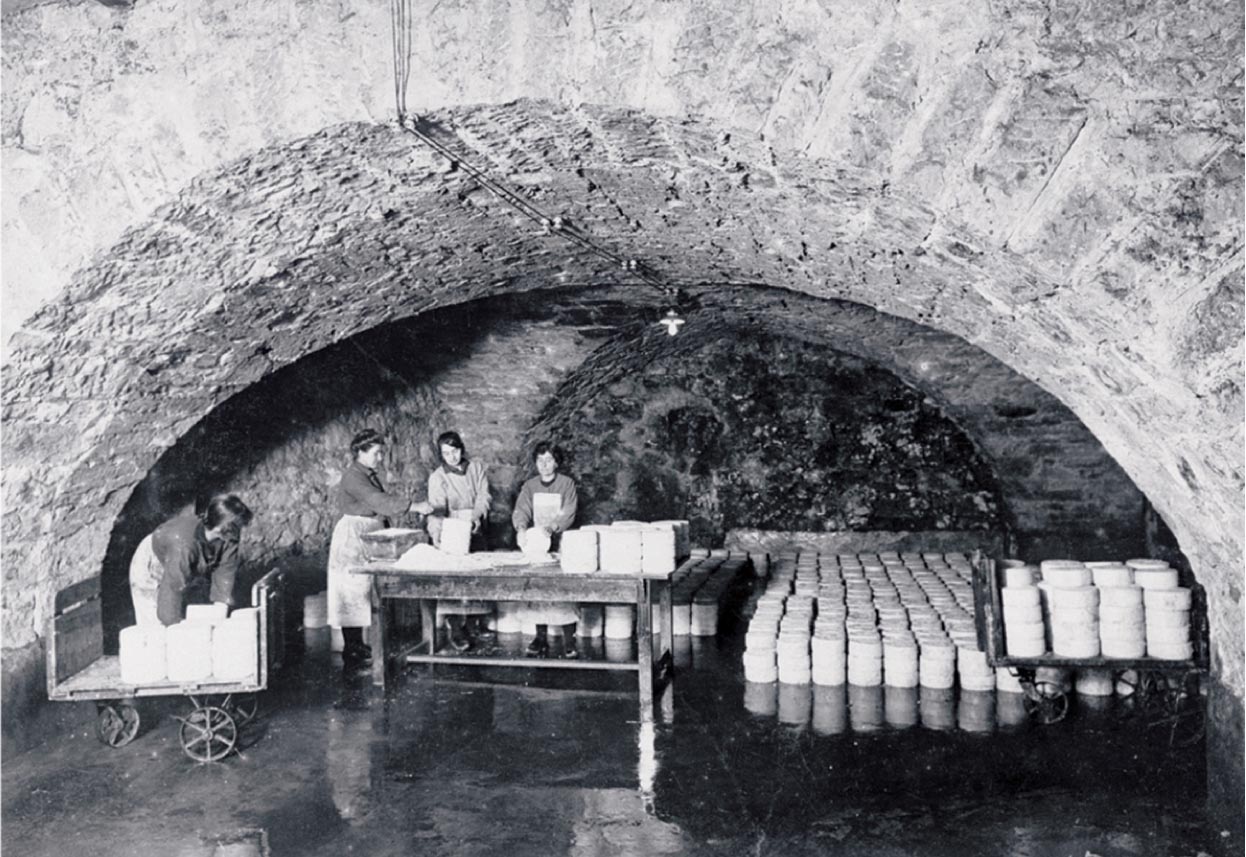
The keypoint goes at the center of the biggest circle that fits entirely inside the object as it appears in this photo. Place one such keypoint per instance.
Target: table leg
(667, 696)
(428, 625)
(644, 648)
(380, 631)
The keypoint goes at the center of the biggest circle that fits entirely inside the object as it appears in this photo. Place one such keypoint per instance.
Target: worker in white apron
(546, 508)
(459, 489)
(182, 551)
(364, 504)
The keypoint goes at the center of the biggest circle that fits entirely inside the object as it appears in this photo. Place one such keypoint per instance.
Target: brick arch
(305, 244)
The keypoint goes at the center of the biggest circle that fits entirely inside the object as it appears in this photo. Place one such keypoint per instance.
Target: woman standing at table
(459, 489)
(545, 509)
(365, 506)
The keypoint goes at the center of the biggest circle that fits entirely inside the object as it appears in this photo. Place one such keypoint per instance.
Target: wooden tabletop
(549, 569)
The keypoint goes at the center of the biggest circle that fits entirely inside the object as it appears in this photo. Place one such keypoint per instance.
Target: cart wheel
(244, 707)
(1046, 701)
(116, 725)
(1182, 717)
(209, 734)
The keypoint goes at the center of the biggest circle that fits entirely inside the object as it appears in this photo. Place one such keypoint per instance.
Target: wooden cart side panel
(75, 641)
(79, 593)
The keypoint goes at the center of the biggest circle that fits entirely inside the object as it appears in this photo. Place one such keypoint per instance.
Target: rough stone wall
(733, 430)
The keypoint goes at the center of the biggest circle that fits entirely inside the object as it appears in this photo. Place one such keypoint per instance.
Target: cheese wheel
(1018, 576)
(1026, 630)
(1019, 596)
(1122, 648)
(1078, 596)
(1171, 651)
(1156, 578)
(1177, 634)
(1147, 564)
(1073, 616)
(1122, 633)
(1076, 648)
(1167, 619)
(1167, 599)
(1119, 596)
(1112, 575)
(1025, 647)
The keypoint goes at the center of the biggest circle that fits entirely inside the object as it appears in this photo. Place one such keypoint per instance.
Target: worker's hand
(476, 522)
(547, 531)
(422, 506)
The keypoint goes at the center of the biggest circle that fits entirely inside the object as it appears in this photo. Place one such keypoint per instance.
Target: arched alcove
(304, 245)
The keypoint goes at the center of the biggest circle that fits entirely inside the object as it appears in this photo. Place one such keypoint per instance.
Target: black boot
(569, 650)
(354, 651)
(458, 639)
(539, 647)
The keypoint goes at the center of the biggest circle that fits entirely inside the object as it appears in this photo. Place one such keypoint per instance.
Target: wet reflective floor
(475, 761)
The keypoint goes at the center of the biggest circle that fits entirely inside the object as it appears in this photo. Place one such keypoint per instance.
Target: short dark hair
(365, 440)
(226, 509)
(450, 438)
(544, 447)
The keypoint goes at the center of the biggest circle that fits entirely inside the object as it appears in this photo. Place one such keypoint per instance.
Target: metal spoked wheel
(1180, 713)
(117, 724)
(209, 734)
(1046, 701)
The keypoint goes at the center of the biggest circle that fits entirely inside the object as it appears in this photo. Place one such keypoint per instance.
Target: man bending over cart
(184, 548)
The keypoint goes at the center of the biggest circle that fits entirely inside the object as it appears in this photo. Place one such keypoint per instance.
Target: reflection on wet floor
(484, 761)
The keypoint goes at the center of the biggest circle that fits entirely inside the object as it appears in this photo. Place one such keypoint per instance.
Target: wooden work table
(540, 583)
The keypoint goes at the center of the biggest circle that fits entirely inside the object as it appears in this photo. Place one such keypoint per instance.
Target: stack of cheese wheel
(975, 673)
(620, 621)
(793, 655)
(1025, 635)
(760, 663)
(142, 654)
(937, 663)
(1094, 682)
(622, 548)
(577, 552)
(1121, 623)
(865, 657)
(900, 666)
(235, 646)
(1072, 607)
(1167, 612)
(657, 549)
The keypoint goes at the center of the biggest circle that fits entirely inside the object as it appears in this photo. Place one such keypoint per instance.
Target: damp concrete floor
(469, 761)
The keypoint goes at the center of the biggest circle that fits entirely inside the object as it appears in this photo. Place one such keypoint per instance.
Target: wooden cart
(1166, 694)
(78, 670)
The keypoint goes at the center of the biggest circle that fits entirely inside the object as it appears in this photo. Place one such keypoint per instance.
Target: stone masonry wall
(739, 431)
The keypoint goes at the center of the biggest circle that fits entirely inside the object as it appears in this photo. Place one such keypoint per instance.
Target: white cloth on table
(350, 595)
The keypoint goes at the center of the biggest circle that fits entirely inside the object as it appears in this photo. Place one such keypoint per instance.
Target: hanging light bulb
(672, 322)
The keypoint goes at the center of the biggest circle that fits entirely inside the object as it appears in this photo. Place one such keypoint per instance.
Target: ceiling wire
(400, 23)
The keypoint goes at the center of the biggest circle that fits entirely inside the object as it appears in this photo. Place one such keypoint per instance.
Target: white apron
(546, 507)
(145, 574)
(350, 595)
